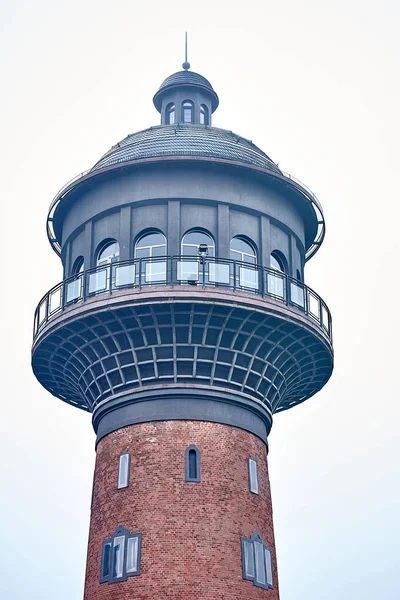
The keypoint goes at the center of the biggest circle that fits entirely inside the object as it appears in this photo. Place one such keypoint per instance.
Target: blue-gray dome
(186, 140)
(185, 78)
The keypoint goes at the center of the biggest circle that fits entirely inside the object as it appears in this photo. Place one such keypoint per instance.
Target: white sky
(316, 86)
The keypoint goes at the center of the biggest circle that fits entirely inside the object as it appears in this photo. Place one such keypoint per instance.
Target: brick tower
(183, 324)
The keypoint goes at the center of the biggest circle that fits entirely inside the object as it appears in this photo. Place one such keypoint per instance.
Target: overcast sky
(316, 86)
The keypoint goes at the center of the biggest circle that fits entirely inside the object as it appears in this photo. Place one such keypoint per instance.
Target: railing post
(287, 290)
(234, 275)
(305, 296)
(171, 273)
(204, 272)
(262, 287)
(140, 273)
(84, 284)
(110, 278)
(321, 321)
(63, 294)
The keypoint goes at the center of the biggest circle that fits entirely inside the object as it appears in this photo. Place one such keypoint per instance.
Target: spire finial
(186, 64)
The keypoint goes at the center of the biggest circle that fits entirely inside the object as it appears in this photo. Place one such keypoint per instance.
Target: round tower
(183, 324)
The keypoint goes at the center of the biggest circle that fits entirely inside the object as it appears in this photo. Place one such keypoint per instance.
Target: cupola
(186, 97)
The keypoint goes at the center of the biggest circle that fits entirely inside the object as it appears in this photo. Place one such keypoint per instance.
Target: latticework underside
(273, 359)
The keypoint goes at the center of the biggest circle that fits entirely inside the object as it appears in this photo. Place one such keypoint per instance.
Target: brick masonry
(191, 531)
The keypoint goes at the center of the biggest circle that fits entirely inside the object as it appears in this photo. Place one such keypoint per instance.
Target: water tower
(183, 324)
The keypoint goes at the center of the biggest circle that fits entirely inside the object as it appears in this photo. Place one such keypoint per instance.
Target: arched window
(108, 253)
(200, 246)
(242, 273)
(187, 111)
(170, 114)
(192, 463)
(204, 119)
(74, 286)
(79, 266)
(152, 249)
(242, 251)
(277, 262)
(276, 282)
(192, 240)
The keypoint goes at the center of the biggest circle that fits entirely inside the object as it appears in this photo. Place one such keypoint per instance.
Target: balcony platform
(272, 349)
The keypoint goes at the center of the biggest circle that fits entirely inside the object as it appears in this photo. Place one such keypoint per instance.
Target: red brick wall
(191, 531)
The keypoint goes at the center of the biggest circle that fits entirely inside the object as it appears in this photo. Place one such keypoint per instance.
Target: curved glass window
(276, 282)
(200, 246)
(277, 262)
(152, 249)
(242, 273)
(79, 266)
(99, 281)
(75, 284)
(108, 253)
(170, 114)
(187, 112)
(192, 241)
(204, 118)
(243, 251)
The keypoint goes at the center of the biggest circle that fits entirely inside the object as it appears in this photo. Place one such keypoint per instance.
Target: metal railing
(182, 270)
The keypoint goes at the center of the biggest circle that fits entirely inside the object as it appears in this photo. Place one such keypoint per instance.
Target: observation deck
(175, 320)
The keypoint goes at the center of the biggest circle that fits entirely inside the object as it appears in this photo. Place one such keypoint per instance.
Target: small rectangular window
(118, 557)
(268, 565)
(105, 563)
(123, 470)
(253, 476)
(132, 555)
(248, 552)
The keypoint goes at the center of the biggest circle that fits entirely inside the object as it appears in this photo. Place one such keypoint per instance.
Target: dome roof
(185, 78)
(186, 140)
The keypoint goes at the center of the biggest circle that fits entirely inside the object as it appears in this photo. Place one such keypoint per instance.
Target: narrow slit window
(105, 562)
(123, 470)
(192, 466)
(253, 475)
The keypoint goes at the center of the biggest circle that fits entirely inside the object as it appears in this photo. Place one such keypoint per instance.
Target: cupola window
(121, 556)
(244, 271)
(276, 281)
(170, 114)
(152, 249)
(187, 111)
(204, 118)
